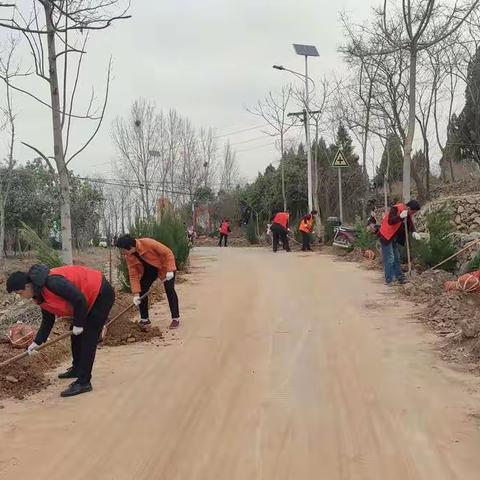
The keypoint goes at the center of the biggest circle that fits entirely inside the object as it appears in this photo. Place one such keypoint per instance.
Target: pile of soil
(455, 316)
(357, 256)
(126, 331)
(27, 376)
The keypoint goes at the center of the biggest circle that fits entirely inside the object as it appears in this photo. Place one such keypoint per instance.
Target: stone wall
(465, 216)
(465, 211)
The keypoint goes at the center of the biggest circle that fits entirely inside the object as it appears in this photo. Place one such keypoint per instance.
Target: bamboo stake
(468, 247)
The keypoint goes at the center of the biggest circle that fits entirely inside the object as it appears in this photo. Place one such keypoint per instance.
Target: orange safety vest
(306, 225)
(282, 219)
(224, 228)
(87, 280)
(388, 231)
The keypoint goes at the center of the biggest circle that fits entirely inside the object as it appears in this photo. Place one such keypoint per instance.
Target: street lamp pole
(306, 51)
(307, 139)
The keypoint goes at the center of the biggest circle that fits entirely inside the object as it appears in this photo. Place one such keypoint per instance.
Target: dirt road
(287, 367)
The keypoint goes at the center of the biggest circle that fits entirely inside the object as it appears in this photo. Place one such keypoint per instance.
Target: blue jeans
(391, 262)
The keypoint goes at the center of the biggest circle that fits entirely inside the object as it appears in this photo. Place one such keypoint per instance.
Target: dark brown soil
(28, 375)
(453, 316)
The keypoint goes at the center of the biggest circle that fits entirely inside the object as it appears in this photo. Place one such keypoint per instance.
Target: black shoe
(76, 388)
(145, 326)
(70, 373)
(175, 324)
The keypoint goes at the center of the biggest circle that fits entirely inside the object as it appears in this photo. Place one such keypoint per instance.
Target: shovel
(411, 272)
(65, 335)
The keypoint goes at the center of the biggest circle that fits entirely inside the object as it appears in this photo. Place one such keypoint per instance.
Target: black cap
(413, 205)
(17, 281)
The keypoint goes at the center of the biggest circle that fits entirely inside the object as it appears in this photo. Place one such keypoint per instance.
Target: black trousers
(279, 233)
(305, 242)
(84, 346)
(222, 237)
(150, 274)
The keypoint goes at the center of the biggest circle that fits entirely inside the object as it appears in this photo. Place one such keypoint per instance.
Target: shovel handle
(36, 349)
(125, 310)
(63, 336)
(407, 239)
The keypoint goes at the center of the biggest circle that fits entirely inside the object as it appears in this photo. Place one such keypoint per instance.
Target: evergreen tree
(344, 142)
(395, 172)
(463, 141)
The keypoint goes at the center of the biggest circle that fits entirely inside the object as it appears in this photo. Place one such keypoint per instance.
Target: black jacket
(40, 277)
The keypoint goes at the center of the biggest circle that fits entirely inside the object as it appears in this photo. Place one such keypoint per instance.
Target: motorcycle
(344, 237)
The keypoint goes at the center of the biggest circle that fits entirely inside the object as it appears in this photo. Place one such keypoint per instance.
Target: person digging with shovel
(148, 260)
(69, 291)
(306, 229)
(396, 224)
(280, 229)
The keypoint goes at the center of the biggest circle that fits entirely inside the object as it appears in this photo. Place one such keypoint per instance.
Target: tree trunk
(316, 202)
(427, 167)
(422, 195)
(452, 173)
(282, 161)
(407, 156)
(365, 137)
(63, 179)
(2, 236)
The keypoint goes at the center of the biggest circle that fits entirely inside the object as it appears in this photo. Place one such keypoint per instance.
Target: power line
(248, 141)
(255, 148)
(238, 131)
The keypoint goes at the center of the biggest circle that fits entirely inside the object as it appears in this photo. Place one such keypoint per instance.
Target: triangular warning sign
(340, 160)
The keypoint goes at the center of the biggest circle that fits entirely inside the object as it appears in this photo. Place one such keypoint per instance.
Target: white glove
(31, 348)
(416, 236)
(404, 214)
(77, 330)
(136, 300)
(169, 276)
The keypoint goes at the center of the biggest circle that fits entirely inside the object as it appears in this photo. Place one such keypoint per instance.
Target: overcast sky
(208, 59)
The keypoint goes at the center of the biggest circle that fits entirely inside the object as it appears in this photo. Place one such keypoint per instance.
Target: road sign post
(340, 162)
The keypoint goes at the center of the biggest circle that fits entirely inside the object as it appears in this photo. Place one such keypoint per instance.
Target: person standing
(306, 229)
(69, 291)
(392, 234)
(225, 231)
(148, 260)
(279, 229)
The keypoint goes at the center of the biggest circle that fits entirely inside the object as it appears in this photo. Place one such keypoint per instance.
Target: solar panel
(306, 50)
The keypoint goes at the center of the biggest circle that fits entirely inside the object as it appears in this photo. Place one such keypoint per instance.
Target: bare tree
(230, 173)
(208, 151)
(55, 32)
(191, 174)
(8, 70)
(414, 26)
(274, 110)
(139, 145)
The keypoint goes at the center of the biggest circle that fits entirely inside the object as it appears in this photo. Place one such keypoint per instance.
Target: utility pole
(304, 118)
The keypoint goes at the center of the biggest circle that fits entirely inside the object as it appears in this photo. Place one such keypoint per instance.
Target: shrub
(44, 253)
(365, 239)
(440, 245)
(252, 232)
(328, 233)
(474, 264)
(170, 231)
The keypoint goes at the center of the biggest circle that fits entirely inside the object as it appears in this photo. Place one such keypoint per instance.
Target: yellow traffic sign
(340, 161)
